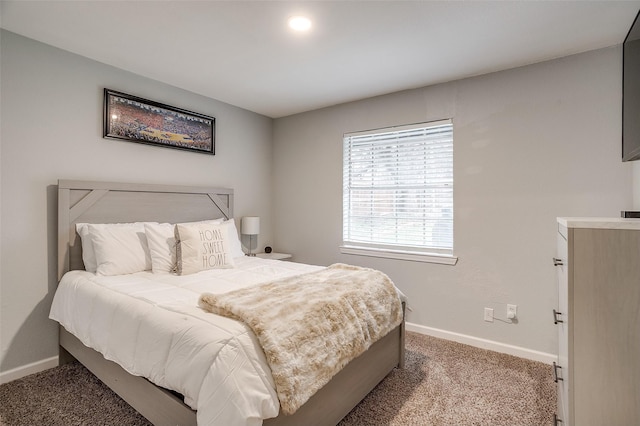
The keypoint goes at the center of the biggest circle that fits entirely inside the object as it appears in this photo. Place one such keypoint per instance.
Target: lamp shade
(250, 225)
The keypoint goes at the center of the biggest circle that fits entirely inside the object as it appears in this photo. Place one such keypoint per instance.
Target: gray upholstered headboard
(110, 202)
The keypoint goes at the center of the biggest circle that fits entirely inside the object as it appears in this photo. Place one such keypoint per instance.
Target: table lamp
(250, 227)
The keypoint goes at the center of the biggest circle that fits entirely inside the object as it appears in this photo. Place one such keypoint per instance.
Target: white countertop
(599, 222)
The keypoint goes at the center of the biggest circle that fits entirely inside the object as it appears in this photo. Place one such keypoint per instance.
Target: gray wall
(636, 185)
(52, 128)
(530, 144)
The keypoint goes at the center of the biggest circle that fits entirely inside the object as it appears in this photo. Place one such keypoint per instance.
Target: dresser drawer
(561, 315)
(562, 409)
(562, 321)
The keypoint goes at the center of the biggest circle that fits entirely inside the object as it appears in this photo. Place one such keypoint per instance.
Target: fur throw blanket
(311, 325)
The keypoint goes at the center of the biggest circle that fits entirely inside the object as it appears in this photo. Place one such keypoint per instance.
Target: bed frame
(106, 202)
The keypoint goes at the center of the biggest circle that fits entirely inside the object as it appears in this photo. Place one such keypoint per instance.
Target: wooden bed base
(326, 408)
(102, 202)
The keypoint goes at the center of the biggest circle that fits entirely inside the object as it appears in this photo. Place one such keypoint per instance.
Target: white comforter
(150, 324)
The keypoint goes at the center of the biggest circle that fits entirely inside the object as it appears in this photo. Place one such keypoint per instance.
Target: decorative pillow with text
(200, 247)
(162, 244)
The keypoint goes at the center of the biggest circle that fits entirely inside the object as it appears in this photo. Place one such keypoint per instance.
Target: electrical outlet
(512, 311)
(488, 314)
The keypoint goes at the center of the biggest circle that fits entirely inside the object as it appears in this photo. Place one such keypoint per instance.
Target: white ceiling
(242, 53)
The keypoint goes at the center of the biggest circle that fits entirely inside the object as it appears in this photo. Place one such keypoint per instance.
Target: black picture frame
(134, 119)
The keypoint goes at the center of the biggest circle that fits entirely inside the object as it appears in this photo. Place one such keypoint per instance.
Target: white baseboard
(25, 370)
(484, 343)
(518, 351)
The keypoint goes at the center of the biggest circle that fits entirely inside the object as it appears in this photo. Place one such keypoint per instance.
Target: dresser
(598, 322)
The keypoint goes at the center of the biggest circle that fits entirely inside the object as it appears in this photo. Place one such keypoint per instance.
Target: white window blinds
(398, 188)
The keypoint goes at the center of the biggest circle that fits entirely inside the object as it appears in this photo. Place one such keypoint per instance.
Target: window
(398, 192)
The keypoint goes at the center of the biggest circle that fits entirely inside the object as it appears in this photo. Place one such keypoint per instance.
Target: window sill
(413, 256)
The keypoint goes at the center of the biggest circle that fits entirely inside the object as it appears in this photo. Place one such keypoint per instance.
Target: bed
(104, 202)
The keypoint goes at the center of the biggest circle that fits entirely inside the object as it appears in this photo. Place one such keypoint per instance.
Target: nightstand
(274, 256)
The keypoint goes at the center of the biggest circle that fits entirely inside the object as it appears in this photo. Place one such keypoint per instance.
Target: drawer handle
(556, 420)
(555, 317)
(557, 261)
(555, 373)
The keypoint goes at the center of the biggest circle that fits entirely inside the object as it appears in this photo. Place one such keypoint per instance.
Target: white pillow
(88, 254)
(120, 248)
(162, 244)
(201, 247)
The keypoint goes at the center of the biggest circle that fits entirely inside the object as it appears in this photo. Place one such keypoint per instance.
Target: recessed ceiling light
(299, 23)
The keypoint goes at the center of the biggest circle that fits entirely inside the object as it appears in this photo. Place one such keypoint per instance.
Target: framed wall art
(134, 119)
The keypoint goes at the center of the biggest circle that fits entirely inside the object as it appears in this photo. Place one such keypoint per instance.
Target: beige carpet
(447, 383)
(444, 383)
